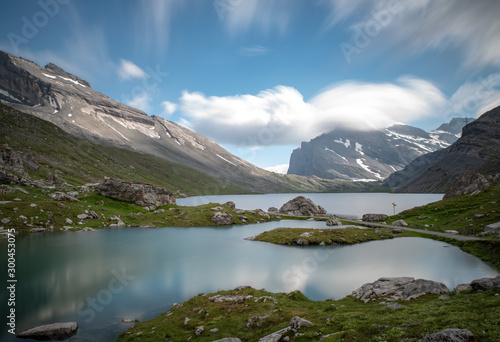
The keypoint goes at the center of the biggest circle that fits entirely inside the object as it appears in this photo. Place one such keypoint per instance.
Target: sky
(259, 77)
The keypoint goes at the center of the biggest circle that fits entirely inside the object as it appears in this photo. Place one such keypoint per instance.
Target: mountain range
(69, 102)
(355, 155)
(477, 150)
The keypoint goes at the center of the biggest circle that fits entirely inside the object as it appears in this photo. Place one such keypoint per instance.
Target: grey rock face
(142, 194)
(468, 183)
(301, 206)
(374, 217)
(222, 218)
(450, 335)
(477, 150)
(400, 288)
(18, 162)
(55, 331)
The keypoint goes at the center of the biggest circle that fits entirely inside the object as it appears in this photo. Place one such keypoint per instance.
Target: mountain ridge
(69, 102)
(369, 156)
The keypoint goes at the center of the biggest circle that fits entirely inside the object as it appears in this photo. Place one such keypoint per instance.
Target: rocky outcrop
(477, 150)
(333, 221)
(55, 331)
(374, 217)
(295, 324)
(222, 218)
(18, 162)
(145, 195)
(400, 288)
(450, 335)
(470, 182)
(302, 206)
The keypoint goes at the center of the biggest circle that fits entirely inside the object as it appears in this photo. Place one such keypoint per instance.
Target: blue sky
(260, 76)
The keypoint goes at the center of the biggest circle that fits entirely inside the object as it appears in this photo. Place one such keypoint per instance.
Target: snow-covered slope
(366, 155)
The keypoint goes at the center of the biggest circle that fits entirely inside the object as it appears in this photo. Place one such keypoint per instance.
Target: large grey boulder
(400, 223)
(145, 195)
(333, 221)
(302, 206)
(228, 339)
(493, 228)
(485, 284)
(450, 335)
(222, 218)
(55, 331)
(399, 288)
(469, 182)
(374, 217)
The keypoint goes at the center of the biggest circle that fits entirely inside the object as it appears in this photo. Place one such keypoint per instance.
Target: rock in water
(450, 335)
(55, 331)
(145, 195)
(301, 206)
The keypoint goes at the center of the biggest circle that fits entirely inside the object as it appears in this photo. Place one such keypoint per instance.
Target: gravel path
(448, 235)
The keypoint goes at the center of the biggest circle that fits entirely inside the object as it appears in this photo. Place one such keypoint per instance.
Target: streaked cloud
(128, 70)
(280, 116)
(239, 16)
(472, 28)
(254, 50)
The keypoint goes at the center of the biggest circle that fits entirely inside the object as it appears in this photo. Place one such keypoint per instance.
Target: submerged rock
(55, 331)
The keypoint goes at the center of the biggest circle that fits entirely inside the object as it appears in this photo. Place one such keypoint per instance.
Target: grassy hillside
(466, 214)
(81, 161)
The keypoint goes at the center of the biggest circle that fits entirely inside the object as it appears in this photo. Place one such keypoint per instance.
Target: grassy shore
(36, 209)
(291, 236)
(347, 319)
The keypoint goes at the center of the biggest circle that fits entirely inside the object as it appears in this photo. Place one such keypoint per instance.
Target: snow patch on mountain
(346, 143)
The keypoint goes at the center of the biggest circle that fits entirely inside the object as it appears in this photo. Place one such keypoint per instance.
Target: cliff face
(477, 150)
(366, 155)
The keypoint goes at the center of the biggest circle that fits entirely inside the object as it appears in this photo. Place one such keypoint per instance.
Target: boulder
(230, 204)
(333, 221)
(374, 217)
(301, 206)
(61, 196)
(273, 210)
(222, 218)
(485, 284)
(302, 242)
(399, 288)
(199, 330)
(397, 231)
(297, 322)
(450, 335)
(145, 195)
(493, 228)
(228, 339)
(55, 331)
(400, 223)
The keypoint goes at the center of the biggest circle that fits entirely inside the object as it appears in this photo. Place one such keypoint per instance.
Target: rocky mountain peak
(61, 72)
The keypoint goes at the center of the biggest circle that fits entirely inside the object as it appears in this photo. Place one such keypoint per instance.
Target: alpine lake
(99, 278)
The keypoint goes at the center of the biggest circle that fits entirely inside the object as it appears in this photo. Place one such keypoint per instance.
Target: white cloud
(168, 108)
(475, 98)
(280, 116)
(128, 70)
(472, 28)
(282, 168)
(141, 101)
